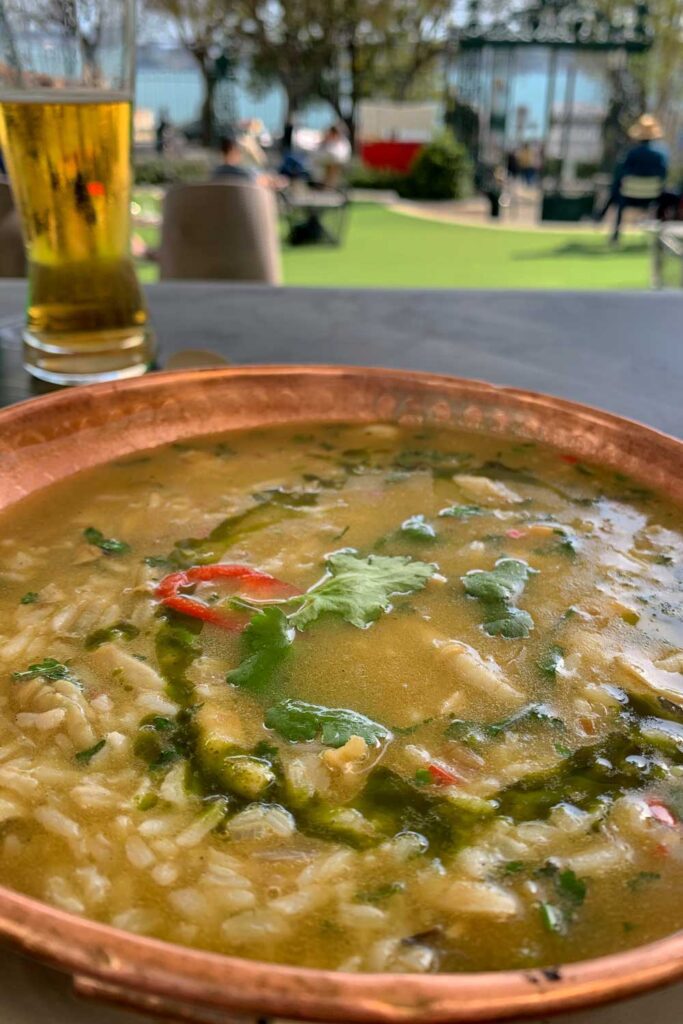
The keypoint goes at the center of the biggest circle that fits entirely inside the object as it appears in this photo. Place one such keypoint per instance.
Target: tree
(384, 49)
(82, 22)
(204, 28)
(290, 42)
(343, 51)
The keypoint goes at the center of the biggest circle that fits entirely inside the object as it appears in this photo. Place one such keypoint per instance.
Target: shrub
(161, 171)
(441, 170)
(361, 176)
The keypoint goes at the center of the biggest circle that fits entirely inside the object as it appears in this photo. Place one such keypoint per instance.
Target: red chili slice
(252, 583)
(571, 459)
(662, 813)
(444, 776)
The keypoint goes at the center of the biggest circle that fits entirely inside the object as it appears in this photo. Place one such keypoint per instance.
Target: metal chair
(12, 250)
(667, 246)
(314, 214)
(220, 231)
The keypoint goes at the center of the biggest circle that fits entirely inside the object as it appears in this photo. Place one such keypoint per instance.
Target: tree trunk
(293, 104)
(207, 117)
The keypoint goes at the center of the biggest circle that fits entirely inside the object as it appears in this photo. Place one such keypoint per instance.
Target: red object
(571, 459)
(515, 534)
(389, 156)
(662, 813)
(252, 582)
(443, 776)
(95, 188)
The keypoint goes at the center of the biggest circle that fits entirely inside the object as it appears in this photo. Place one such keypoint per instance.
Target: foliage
(162, 171)
(377, 178)
(441, 170)
(205, 28)
(343, 51)
(383, 48)
(290, 42)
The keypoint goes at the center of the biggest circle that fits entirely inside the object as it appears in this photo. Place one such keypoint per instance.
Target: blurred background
(424, 143)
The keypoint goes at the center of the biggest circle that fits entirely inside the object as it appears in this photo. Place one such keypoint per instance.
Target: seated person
(233, 166)
(643, 160)
(333, 153)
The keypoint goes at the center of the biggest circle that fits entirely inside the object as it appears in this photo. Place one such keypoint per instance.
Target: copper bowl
(50, 438)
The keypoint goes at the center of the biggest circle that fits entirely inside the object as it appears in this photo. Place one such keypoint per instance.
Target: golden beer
(70, 172)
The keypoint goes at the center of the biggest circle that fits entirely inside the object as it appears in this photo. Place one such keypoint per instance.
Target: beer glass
(66, 89)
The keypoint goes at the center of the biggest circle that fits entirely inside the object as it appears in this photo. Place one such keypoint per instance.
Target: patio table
(620, 351)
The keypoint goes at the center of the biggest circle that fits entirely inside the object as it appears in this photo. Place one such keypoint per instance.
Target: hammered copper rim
(49, 438)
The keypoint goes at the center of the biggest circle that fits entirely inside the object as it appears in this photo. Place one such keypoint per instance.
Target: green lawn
(387, 249)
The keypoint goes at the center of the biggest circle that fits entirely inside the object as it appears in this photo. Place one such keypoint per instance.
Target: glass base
(91, 358)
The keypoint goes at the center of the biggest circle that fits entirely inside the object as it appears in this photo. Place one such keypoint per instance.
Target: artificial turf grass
(386, 249)
(383, 248)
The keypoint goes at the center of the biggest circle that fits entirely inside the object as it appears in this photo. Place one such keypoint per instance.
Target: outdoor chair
(220, 231)
(314, 214)
(667, 247)
(12, 251)
(636, 191)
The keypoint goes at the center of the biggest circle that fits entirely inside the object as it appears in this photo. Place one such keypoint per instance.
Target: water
(180, 94)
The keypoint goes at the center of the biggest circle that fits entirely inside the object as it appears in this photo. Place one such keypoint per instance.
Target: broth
(426, 714)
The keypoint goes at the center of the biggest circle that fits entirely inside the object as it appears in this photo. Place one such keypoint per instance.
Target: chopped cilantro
(417, 528)
(571, 887)
(298, 721)
(29, 598)
(84, 756)
(423, 777)
(473, 734)
(108, 545)
(552, 918)
(513, 867)
(124, 630)
(462, 511)
(551, 661)
(497, 590)
(48, 668)
(642, 878)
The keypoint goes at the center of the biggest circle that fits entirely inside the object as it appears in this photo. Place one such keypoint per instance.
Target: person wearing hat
(643, 160)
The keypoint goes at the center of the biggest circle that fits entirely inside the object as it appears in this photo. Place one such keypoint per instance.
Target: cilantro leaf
(108, 545)
(265, 644)
(298, 721)
(30, 597)
(497, 590)
(473, 734)
(124, 630)
(417, 528)
(359, 589)
(510, 622)
(571, 887)
(48, 668)
(503, 583)
(462, 511)
(84, 756)
(551, 661)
